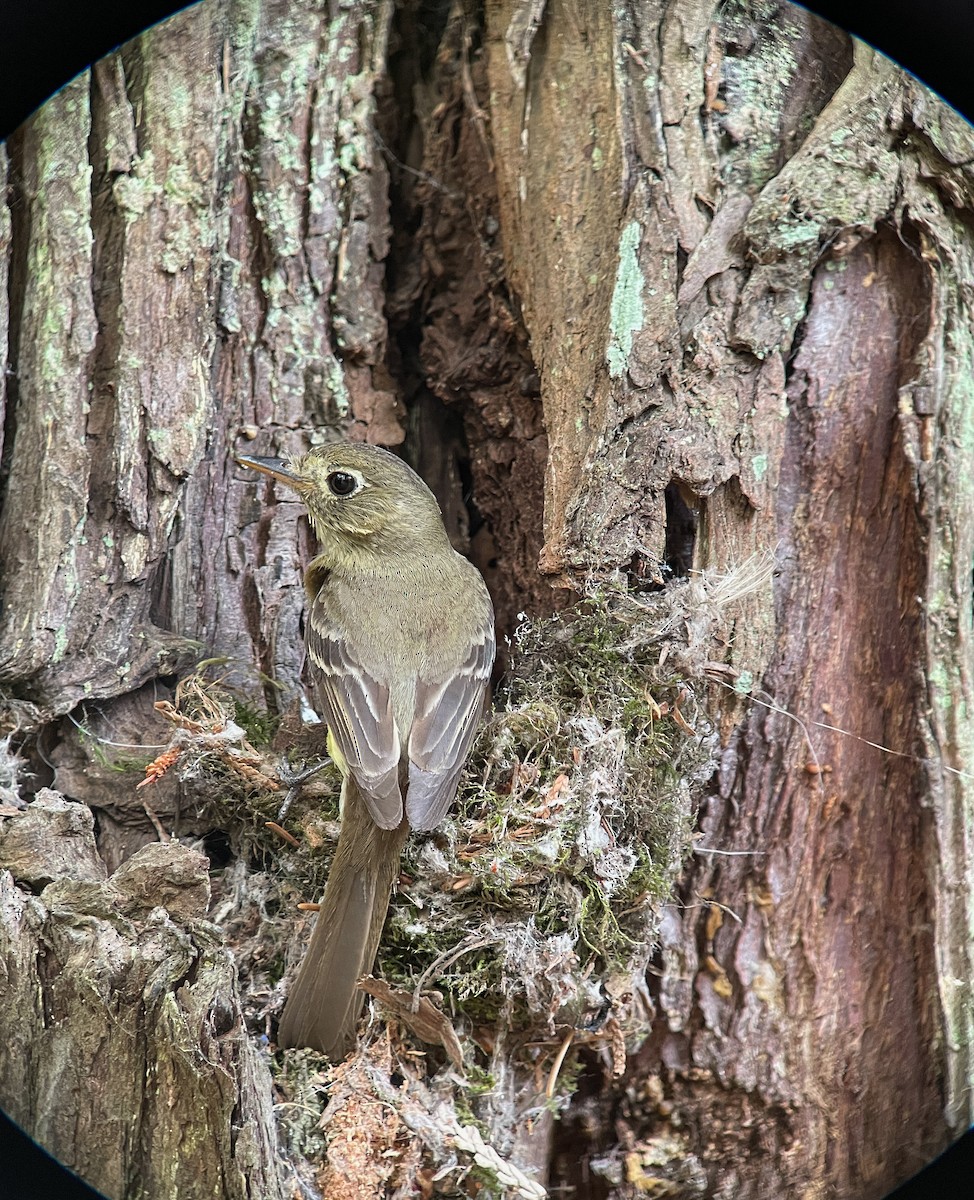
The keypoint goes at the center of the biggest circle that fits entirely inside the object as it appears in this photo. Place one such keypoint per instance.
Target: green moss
(258, 724)
(124, 764)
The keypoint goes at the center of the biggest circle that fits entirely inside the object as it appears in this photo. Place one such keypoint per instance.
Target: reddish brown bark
(823, 986)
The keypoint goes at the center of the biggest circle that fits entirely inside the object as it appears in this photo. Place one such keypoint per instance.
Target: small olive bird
(400, 641)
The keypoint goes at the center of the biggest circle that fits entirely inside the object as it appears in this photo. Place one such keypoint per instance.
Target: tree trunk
(640, 290)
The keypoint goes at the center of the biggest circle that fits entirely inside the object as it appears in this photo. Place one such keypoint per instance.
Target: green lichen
(627, 312)
(333, 380)
(744, 684)
(60, 644)
(136, 191)
(942, 685)
(757, 84)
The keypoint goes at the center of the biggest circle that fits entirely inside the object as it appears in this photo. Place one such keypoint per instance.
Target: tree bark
(638, 288)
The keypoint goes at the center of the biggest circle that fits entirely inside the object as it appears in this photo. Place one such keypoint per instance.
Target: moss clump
(259, 725)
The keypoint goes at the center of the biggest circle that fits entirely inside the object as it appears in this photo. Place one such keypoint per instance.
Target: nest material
(536, 906)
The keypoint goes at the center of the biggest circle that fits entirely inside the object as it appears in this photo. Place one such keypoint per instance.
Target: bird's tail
(324, 1004)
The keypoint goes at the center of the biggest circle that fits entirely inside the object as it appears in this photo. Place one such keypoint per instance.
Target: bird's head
(361, 500)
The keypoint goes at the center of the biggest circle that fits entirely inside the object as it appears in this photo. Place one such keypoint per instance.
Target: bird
(400, 646)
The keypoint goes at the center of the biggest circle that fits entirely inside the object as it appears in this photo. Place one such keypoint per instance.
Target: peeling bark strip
(636, 286)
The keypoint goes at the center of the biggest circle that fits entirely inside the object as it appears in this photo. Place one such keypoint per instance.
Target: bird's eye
(340, 483)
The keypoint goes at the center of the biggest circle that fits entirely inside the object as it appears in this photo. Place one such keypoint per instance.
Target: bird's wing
(445, 722)
(358, 711)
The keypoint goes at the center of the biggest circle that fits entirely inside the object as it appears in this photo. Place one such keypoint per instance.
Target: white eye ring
(344, 483)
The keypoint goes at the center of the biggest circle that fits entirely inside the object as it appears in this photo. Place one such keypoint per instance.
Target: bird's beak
(275, 467)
